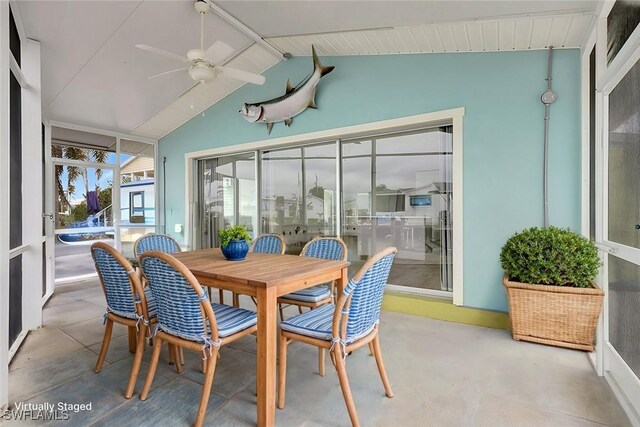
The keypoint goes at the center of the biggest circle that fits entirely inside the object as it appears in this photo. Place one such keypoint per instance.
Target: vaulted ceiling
(93, 75)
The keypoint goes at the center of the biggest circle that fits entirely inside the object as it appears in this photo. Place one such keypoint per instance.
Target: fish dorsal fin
(289, 87)
(269, 127)
(317, 65)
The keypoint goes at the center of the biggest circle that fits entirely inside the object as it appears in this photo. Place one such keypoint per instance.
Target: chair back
(268, 244)
(330, 248)
(362, 297)
(181, 304)
(120, 283)
(155, 242)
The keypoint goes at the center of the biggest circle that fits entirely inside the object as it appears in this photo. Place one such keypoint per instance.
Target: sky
(105, 180)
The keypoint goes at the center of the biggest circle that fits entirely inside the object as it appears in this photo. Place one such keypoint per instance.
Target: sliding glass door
(374, 192)
(396, 191)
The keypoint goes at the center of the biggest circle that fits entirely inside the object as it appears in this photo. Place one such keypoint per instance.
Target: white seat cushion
(232, 320)
(312, 294)
(317, 323)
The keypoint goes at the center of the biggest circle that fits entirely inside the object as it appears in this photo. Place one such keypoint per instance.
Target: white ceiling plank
(460, 36)
(506, 35)
(523, 33)
(476, 40)
(446, 36)
(434, 38)
(579, 27)
(421, 39)
(277, 18)
(358, 42)
(558, 33)
(490, 35)
(389, 42)
(540, 32)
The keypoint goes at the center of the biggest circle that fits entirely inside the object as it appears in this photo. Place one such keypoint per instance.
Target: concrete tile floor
(443, 374)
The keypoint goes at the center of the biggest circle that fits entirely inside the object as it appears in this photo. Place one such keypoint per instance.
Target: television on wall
(422, 200)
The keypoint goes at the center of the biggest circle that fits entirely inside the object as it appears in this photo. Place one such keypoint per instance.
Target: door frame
(453, 117)
(116, 166)
(623, 381)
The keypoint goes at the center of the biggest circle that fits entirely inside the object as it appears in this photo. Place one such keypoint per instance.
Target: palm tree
(74, 172)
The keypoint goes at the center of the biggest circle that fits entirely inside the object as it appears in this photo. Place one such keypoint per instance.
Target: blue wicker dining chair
(268, 244)
(156, 242)
(331, 248)
(187, 319)
(264, 244)
(344, 327)
(127, 304)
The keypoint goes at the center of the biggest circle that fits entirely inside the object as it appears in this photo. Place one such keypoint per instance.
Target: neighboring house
(137, 197)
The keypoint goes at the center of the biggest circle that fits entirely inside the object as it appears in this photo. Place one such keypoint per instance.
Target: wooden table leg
(342, 282)
(266, 359)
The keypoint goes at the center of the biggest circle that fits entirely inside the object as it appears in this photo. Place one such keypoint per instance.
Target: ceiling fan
(202, 63)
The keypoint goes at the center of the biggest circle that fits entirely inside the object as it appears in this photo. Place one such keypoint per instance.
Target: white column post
(4, 208)
(32, 208)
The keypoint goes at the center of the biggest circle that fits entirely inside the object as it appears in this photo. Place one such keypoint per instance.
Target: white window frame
(453, 116)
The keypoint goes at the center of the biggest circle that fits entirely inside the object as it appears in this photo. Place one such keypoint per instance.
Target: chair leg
(210, 293)
(300, 309)
(344, 385)
(371, 349)
(206, 387)
(137, 361)
(174, 352)
(383, 372)
(221, 296)
(133, 337)
(236, 300)
(321, 361)
(105, 345)
(281, 311)
(152, 369)
(282, 370)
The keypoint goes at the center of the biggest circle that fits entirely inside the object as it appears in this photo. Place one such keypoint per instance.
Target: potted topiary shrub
(548, 278)
(234, 242)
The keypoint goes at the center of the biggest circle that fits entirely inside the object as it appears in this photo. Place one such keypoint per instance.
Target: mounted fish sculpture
(293, 102)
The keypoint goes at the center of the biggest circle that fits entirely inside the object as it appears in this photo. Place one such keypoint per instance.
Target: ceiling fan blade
(245, 76)
(218, 52)
(162, 52)
(167, 72)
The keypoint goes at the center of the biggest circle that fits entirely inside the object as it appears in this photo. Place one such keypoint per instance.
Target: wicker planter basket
(554, 315)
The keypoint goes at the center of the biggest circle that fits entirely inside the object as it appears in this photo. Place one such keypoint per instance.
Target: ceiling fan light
(202, 73)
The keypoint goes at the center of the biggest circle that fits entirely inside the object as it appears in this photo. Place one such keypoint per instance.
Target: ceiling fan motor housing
(201, 6)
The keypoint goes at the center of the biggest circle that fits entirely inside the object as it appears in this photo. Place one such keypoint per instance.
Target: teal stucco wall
(503, 136)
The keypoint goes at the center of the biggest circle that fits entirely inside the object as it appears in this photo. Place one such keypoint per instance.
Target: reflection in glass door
(397, 191)
(227, 191)
(299, 194)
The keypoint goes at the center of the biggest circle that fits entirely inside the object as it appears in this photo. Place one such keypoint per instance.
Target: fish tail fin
(317, 65)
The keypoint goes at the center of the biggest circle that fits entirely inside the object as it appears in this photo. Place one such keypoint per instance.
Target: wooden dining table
(265, 277)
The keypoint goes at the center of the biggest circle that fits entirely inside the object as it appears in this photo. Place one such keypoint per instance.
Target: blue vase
(236, 250)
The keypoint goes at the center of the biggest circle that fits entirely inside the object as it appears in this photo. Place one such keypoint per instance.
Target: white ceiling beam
(105, 132)
(245, 30)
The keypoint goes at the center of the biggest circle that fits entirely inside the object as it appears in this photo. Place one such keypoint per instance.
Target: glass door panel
(299, 193)
(137, 193)
(397, 192)
(83, 215)
(227, 191)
